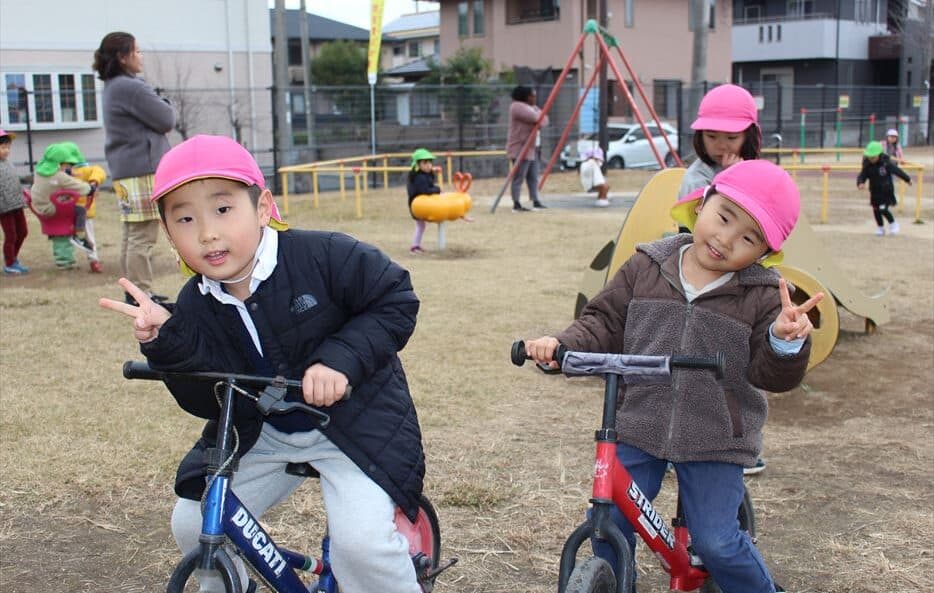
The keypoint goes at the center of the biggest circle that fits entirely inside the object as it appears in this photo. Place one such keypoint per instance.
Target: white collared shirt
(267, 254)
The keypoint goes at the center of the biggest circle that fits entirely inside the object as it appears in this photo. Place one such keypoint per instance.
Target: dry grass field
(846, 504)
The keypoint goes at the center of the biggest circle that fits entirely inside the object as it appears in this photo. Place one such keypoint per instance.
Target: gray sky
(357, 12)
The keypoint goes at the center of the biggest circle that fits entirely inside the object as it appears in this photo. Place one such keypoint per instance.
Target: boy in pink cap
(726, 131)
(698, 294)
(311, 304)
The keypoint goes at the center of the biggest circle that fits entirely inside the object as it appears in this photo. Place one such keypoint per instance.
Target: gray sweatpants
(367, 553)
(528, 172)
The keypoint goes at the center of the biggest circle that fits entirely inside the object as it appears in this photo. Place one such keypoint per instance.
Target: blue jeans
(711, 493)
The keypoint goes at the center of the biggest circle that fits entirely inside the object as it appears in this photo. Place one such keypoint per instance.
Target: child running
(421, 181)
(726, 132)
(878, 169)
(12, 205)
(698, 294)
(312, 304)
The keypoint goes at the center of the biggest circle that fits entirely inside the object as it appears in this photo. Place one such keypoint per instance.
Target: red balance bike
(613, 485)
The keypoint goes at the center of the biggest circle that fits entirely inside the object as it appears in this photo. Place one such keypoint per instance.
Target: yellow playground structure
(807, 265)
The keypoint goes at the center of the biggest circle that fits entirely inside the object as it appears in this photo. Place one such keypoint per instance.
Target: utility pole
(699, 55)
(281, 83)
(603, 136)
(306, 82)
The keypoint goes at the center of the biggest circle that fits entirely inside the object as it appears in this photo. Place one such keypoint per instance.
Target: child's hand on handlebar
(322, 386)
(793, 321)
(148, 316)
(542, 350)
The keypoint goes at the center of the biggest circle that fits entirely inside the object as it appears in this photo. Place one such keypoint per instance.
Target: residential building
(214, 64)
(535, 35)
(844, 47)
(321, 30)
(410, 44)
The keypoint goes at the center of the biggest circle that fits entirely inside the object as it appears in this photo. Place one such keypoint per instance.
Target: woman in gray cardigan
(136, 120)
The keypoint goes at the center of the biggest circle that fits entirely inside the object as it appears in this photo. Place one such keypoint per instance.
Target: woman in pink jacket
(523, 113)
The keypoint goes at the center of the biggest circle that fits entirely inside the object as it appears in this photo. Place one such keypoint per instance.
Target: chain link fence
(476, 117)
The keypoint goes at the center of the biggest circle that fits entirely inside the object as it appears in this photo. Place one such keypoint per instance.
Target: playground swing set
(807, 264)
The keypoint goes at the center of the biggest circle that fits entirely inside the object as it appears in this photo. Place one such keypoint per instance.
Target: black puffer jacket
(331, 299)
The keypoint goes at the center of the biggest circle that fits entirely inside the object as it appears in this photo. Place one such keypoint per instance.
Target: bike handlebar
(586, 363)
(269, 401)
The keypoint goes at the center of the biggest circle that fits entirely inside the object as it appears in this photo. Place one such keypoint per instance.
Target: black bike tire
(747, 522)
(189, 563)
(593, 575)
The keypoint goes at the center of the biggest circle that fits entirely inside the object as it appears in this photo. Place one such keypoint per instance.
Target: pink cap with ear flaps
(761, 188)
(203, 157)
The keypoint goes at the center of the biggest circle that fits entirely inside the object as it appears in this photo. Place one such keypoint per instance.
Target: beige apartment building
(656, 36)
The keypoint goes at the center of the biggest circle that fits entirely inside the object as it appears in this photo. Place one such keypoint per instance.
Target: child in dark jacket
(697, 294)
(269, 301)
(878, 168)
(421, 181)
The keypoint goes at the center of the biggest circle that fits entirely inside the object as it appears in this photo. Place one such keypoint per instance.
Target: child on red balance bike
(707, 292)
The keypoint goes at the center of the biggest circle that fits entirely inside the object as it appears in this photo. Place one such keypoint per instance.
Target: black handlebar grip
(140, 370)
(518, 355)
(715, 364)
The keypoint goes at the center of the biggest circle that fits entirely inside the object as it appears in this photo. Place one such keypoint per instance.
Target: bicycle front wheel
(593, 575)
(182, 581)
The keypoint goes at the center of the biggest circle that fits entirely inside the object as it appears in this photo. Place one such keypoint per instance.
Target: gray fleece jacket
(643, 310)
(136, 121)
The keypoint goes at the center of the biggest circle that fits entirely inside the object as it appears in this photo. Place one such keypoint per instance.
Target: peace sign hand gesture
(148, 317)
(793, 321)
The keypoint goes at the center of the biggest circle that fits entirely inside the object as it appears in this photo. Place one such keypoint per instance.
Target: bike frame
(614, 486)
(225, 515)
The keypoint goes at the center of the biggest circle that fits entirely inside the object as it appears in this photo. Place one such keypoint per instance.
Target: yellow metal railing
(360, 166)
(827, 169)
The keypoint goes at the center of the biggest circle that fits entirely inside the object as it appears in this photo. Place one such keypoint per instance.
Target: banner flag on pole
(376, 35)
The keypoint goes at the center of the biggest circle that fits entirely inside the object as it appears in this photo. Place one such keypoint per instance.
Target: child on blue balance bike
(269, 301)
(697, 294)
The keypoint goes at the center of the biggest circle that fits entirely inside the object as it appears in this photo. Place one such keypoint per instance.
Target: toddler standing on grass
(12, 213)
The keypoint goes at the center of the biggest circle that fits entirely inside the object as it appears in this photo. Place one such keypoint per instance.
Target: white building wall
(215, 55)
(801, 40)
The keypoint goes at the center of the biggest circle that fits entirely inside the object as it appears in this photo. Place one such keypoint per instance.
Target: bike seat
(303, 469)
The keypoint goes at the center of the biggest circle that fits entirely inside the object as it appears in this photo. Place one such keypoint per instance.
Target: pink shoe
(416, 249)
(96, 267)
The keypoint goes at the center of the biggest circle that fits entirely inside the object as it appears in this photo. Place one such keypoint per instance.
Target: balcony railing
(771, 20)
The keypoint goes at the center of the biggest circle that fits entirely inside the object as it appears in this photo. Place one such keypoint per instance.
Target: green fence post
(839, 125)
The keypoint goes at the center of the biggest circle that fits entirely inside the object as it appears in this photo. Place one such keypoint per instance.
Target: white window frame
(56, 123)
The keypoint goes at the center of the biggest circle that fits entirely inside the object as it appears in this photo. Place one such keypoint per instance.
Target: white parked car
(628, 147)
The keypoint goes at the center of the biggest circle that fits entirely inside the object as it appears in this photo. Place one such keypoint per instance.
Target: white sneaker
(894, 228)
(880, 231)
(602, 203)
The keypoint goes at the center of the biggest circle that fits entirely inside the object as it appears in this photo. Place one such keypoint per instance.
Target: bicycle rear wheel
(182, 575)
(424, 537)
(593, 575)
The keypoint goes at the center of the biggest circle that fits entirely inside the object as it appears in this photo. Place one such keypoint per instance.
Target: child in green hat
(53, 174)
(878, 169)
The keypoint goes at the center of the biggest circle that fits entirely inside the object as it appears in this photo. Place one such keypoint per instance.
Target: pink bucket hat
(3, 133)
(764, 190)
(726, 108)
